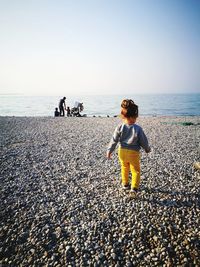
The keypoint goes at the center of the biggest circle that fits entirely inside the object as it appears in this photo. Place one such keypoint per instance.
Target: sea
(102, 105)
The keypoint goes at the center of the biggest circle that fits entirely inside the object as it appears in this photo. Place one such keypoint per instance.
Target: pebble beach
(62, 203)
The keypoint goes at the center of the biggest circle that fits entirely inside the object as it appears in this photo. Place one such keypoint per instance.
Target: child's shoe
(133, 192)
(125, 186)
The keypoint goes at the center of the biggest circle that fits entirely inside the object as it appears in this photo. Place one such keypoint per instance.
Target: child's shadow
(169, 198)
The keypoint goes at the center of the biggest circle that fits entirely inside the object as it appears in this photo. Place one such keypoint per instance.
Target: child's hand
(108, 155)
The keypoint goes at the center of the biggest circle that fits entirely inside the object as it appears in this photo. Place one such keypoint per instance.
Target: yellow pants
(130, 160)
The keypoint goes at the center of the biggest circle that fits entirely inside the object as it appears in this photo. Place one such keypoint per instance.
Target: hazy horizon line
(109, 94)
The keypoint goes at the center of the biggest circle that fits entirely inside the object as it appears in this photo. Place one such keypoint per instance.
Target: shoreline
(105, 116)
(62, 202)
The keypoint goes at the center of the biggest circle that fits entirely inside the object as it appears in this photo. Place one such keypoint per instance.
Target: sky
(60, 47)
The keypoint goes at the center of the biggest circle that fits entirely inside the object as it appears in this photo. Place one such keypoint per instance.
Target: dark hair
(129, 108)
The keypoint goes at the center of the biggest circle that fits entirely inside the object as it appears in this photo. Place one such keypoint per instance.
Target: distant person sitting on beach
(131, 138)
(68, 112)
(56, 113)
(62, 106)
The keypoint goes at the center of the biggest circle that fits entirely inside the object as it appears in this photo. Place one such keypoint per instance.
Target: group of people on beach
(75, 111)
(62, 109)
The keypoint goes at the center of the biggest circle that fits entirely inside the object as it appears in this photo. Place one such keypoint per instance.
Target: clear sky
(56, 47)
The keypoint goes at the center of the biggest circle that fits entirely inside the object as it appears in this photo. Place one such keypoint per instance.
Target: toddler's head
(129, 109)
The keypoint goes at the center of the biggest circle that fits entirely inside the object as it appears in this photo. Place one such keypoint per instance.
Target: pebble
(62, 204)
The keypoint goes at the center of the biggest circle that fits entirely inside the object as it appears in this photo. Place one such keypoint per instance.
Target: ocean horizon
(102, 105)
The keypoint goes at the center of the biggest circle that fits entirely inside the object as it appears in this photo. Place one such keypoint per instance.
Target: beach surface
(62, 202)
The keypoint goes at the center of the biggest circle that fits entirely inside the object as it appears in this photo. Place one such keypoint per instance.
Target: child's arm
(113, 142)
(144, 141)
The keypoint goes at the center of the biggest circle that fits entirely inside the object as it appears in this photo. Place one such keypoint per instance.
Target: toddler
(56, 113)
(131, 138)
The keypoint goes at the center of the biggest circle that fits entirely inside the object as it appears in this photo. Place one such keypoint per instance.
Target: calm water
(167, 104)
